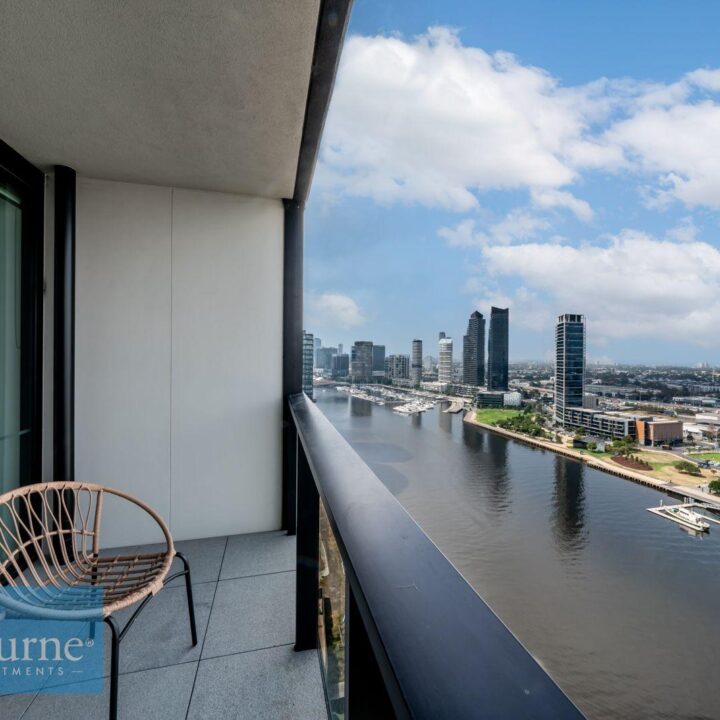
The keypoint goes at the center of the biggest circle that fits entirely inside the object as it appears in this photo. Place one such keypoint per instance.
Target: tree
(714, 486)
(685, 466)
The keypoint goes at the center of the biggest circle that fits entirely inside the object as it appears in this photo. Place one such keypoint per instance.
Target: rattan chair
(52, 567)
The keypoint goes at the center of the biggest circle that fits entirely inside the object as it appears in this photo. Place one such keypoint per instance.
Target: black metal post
(64, 326)
(308, 549)
(189, 593)
(292, 353)
(114, 665)
(366, 697)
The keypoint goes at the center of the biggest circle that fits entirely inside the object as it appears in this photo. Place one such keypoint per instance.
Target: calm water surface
(622, 607)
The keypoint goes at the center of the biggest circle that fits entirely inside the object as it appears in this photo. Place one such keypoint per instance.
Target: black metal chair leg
(190, 601)
(114, 665)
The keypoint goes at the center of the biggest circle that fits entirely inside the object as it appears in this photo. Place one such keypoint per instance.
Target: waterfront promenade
(681, 491)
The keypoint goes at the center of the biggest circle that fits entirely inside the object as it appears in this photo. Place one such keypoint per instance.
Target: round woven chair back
(51, 564)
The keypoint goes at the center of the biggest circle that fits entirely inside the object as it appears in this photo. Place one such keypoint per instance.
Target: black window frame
(29, 182)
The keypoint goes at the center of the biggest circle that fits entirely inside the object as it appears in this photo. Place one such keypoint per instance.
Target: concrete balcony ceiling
(208, 94)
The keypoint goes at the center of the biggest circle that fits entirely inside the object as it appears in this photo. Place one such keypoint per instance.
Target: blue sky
(550, 157)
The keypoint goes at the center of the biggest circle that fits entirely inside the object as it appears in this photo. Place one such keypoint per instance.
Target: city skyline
(610, 210)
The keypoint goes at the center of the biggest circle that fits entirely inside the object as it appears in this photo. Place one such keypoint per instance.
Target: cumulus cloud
(431, 121)
(634, 286)
(334, 311)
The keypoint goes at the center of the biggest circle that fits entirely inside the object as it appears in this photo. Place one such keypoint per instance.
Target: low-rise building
(488, 398)
(657, 431)
(599, 423)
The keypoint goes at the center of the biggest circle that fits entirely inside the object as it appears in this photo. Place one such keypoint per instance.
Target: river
(621, 607)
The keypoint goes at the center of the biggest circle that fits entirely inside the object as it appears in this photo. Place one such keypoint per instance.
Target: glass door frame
(29, 183)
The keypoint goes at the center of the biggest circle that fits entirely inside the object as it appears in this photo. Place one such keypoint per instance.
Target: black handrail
(440, 650)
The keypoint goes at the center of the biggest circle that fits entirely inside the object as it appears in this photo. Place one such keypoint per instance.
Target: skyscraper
(340, 365)
(378, 358)
(361, 361)
(308, 353)
(416, 361)
(441, 335)
(445, 360)
(340, 348)
(397, 366)
(474, 351)
(497, 372)
(569, 364)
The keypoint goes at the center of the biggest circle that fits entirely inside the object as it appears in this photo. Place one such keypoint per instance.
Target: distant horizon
(468, 161)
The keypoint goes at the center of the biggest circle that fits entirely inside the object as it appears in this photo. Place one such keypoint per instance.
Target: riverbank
(676, 489)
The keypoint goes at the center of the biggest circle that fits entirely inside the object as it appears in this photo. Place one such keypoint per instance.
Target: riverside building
(474, 351)
(497, 371)
(445, 360)
(308, 355)
(416, 363)
(569, 368)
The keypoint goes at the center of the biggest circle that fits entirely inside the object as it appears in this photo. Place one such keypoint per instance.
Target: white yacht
(683, 515)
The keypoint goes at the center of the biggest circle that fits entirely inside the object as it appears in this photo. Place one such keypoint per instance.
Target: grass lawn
(490, 416)
(713, 456)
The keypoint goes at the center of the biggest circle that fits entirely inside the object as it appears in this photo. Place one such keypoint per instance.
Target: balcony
(244, 664)
(162, 156)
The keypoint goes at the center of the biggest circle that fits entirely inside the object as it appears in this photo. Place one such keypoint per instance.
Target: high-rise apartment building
(378, 358)
(397, 367)
(569, 364)
(497, 366)
(323, 357)
(340, 365)
(361, 361)
(416, 361)
(474, 351)
(308, 355)
(445, 360)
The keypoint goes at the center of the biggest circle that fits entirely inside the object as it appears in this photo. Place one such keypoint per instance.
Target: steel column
(64, 326)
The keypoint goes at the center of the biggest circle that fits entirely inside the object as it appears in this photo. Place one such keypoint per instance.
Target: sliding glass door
(20, 320)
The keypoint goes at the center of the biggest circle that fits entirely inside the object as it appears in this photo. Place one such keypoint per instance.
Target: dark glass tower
(569, 364)
(474, 351)
(498, 349)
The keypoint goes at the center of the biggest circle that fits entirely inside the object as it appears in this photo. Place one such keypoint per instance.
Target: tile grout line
(263, 574)
(207, 628)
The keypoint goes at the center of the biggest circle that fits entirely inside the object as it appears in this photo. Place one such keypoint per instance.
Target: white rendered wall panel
(122, 348)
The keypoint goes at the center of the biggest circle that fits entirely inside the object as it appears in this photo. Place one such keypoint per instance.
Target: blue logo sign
(46, 654)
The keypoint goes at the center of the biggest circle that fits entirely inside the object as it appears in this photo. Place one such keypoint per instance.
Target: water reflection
(416, 420)
(497, 480)
(360, 408)
(568, 519)
(444, 419)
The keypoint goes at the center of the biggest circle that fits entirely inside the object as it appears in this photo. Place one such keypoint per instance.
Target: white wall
(179, 356)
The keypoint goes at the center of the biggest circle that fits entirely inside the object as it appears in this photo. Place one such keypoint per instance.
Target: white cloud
(680, 146)
(431, 121)
(333, 311)
(635, 286)
(684, 231)
(428, 120)
(559, 198)
(518, 224)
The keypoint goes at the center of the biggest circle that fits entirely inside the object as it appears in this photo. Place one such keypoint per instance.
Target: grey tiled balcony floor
(244, 665)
